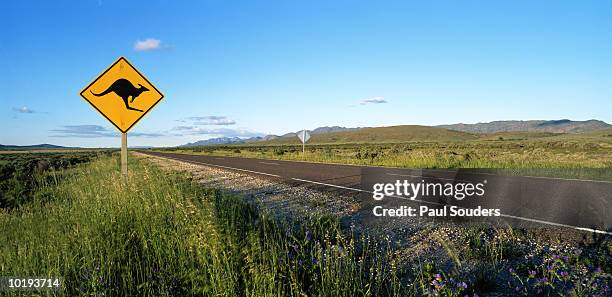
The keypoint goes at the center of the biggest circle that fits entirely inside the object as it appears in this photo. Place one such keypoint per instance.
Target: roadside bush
(21, 174)
(278, 151)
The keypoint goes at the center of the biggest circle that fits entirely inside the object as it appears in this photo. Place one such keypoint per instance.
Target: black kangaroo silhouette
(124, 89)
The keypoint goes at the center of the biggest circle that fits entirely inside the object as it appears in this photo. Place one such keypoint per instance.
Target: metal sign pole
(303, 142)
(124, 168)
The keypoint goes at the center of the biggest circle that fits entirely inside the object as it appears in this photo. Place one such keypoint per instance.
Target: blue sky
(269, 67)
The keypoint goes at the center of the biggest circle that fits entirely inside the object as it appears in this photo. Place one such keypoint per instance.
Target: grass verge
(161, 234)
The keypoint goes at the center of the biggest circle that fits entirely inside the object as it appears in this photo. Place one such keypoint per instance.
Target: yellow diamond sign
(122, 95)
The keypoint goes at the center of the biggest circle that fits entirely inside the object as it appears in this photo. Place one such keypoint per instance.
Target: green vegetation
(21, 173)
(159, 233)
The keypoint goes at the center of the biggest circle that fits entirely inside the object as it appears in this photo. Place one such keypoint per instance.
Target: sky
(233, 68)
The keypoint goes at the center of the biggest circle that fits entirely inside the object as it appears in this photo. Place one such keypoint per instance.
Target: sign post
(304, 136)
(124, 157)
(123, 96)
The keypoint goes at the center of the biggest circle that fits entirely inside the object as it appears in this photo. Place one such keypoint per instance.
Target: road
(525, 201)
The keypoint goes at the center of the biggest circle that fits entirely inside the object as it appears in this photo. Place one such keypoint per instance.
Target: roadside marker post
(124, 170)
(304, 136)
(123, 96)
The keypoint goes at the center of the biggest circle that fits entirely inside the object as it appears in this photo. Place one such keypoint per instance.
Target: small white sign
(304, 136)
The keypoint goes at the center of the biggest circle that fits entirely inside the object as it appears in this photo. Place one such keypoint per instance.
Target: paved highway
(526, 201)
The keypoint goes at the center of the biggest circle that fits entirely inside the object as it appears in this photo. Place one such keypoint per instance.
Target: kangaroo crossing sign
(122, 95)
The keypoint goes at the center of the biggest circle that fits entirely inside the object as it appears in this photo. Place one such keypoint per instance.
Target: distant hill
(403, 133)
(517, 130)
(237, 140)
(556, 126)
(320, 130)
(44, 146)
(215, 141)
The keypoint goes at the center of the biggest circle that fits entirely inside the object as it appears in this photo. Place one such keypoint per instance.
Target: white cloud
(94, 131)
(213, 120)
(373, 100)
(23, 110)
(209, 120)
(215, 132)
(148, 44)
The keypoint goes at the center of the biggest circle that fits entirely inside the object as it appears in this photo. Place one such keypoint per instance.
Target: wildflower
(532, 273)
(556, 257)
(511, 270)
(438, 277)
(564, 274)
(598, 270)
(462, 285)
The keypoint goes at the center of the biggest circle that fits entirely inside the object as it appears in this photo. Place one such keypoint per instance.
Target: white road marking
(269, 163)
(399, 197)
(443, 170)
(225, 167)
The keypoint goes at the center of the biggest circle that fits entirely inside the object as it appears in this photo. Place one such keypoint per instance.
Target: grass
(161, 234)
(20, 174)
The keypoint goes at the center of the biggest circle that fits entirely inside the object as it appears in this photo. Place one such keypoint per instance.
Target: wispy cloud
(373, 100)
(208, 120)
(213, 132)
(94, 131)
(212, 120)
(149, 44)
(23, 109)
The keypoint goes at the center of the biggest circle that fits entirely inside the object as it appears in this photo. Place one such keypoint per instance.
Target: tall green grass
(161, 234)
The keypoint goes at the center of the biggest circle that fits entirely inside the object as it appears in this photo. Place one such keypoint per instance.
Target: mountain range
(336, 134)
(555, 126)
(417, 133)
(237, 140)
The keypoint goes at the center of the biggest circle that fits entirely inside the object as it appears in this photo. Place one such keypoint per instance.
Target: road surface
(526, 201)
